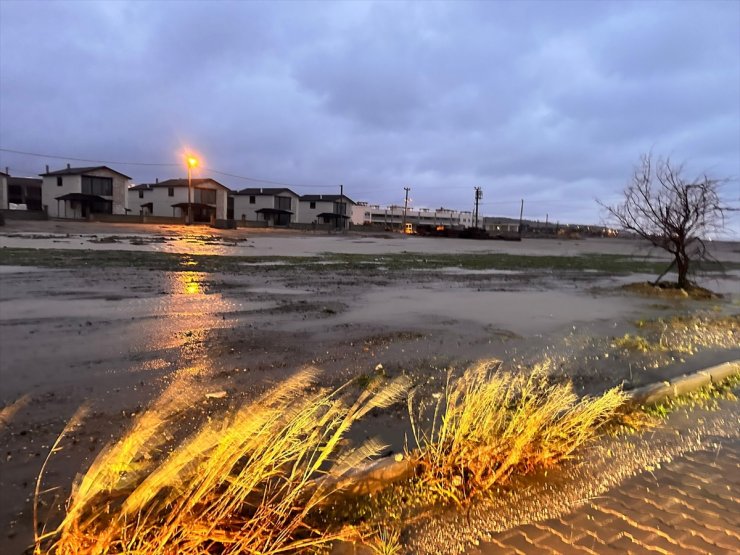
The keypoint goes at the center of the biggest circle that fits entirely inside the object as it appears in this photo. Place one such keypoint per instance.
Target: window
(340, 208)
(312, 205)
(100, 186)
(15, 194)
(282, 203)
(170, 191)
(141, 194)
(251, 199)
(205, 196)
(59, 181)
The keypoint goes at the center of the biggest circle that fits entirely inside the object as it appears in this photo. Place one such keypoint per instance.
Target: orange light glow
(192, 161)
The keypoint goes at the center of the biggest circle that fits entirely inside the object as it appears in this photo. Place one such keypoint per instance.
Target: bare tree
(671, 212)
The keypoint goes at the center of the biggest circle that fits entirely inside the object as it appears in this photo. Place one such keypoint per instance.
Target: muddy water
(116, 338)
(249, 242)
(521, 312)
(263, 242)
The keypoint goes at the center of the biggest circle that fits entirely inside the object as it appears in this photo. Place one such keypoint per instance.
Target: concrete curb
(378, 474)
(680, 385)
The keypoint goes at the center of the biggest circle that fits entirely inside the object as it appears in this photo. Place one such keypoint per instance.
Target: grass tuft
(490, 424)
(387, 541)
(631, 342)
(249, 482)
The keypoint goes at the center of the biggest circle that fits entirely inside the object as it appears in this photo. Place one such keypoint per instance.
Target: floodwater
(247, 242)
(272, 242)
(116, 337)
(522, 312)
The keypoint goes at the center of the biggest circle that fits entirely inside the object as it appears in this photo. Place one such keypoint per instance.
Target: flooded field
(264, 242)
(100, 332)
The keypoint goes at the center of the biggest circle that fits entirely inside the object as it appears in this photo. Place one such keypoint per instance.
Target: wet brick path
(691, 505)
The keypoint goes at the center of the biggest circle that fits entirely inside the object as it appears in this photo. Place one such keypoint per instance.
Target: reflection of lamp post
(192, 161)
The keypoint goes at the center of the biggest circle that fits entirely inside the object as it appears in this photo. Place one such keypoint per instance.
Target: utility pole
(521, 214)
(478, 196)
(341, 204)
(405, 208)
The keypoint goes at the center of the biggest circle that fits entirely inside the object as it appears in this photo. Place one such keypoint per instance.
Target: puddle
(22, 269)
(275, 263)
(523, 312)
(279, 291)
(456, 270)
(104, 309)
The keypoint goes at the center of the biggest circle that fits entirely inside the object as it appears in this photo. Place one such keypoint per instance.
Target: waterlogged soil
(112, 337)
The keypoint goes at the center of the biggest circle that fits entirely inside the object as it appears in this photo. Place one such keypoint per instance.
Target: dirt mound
(670, 291)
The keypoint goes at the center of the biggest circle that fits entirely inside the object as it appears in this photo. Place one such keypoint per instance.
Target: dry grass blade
(246, 483)
(8, 412)
(493, 423)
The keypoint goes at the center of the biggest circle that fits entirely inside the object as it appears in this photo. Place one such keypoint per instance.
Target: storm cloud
(552, 102)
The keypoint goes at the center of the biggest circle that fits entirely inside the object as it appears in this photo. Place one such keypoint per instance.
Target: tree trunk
(682, 267)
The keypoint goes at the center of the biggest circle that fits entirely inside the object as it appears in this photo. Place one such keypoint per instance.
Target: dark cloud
(551, 101)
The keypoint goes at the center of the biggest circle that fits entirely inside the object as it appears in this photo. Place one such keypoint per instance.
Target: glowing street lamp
(191, 162)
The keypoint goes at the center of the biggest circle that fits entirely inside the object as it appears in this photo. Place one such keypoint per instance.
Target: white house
(276, 206)
(326, 209)
(80, 192)
(170, 199)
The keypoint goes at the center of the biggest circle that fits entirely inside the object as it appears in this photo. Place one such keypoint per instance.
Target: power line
(83, 159)
(157, 164)
(271, 182)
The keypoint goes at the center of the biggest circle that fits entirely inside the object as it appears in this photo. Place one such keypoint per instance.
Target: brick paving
(690, 505)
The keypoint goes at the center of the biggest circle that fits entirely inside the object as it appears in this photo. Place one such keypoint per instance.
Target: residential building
(392, 217)
(24, 192)
(81, 192)
(335, 210)
(276, 206)
(170, 199)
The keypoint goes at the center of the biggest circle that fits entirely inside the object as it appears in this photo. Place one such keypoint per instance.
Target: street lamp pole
(191, 161)
(190, 194)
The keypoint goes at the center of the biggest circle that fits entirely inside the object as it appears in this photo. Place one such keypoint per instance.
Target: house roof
(82, 197)
(193, 204)
(327, 198)
(272, 211)
(80, 171)
(179, 183)
(334, 216)
(268, 191)
(27, 181)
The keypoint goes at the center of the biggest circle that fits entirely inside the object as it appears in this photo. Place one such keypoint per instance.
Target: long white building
(392, 216)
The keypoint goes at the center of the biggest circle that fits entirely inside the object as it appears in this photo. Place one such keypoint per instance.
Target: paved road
(690, 505)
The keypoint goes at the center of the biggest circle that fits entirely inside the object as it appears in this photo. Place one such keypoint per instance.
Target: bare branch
(663, 207)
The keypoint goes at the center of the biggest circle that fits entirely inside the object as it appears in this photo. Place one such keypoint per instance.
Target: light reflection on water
(188, 283)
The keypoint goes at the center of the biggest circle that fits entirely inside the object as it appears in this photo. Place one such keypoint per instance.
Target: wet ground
(115, 337)
(673, 489)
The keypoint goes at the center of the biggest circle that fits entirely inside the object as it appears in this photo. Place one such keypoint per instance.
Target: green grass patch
(707, 397)
(606, 264)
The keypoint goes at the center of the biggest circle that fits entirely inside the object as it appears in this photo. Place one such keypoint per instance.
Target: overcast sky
(549, 101)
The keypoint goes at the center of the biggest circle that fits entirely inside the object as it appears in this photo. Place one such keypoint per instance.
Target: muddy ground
(99, 333)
